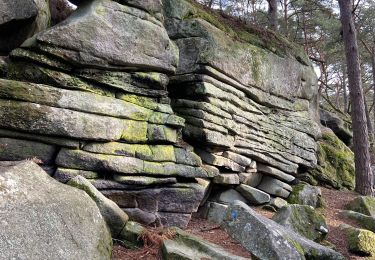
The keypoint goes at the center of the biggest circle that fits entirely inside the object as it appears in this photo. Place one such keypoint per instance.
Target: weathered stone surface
(252, 179)
(240, 159)
(335, 163)
(266, 239)
(64, 175)
(115, 218)
(306, 194)
(270, 171)
(253, 195)
(278, 203)
(141, 216)
(360, 241)
(216, 212)
(303, 220)
(221, 161)
(17, 150)
(41, 119)
(102, 22)
(363, 204)
(190, 247)
(275, 187)
(67, 226)
(229, 196)
(77, 159)
(143, 180)
(337, 125)
(362, 220)
(227, 179)
(131, 233)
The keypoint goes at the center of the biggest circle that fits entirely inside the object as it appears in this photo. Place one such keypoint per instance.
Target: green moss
(335, 163)
(134, 131)
(361, 241)
(297, 246)
(294, 195)
(364, 205)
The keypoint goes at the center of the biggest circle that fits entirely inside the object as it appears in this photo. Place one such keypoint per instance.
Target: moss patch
(335, 163)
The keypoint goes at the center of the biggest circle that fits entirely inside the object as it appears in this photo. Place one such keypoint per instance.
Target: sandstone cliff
(157, 101)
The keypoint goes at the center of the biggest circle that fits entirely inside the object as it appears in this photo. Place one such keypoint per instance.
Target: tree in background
(364, 181)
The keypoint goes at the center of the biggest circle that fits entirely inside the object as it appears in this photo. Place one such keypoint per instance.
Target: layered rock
(88, 97)
(249, 100)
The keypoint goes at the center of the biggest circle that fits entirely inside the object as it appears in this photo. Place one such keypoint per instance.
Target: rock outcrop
(117, 105)
(44, 219)
(88, 97)
(247, 103)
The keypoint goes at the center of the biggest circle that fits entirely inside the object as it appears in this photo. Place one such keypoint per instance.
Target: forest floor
(335, 204)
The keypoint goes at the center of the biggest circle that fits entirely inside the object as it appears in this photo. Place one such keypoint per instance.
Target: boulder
(265, 239)
(67, 226)
(229, 196)
(275, 187)
(303, 220)
(364, 221)
(364, 205)
(115, 218)
(144, 43)
(216, 212)
(278, 203)
(360, 241)
(305, 194)
(190, 247)
(337, 125)
(253, 195)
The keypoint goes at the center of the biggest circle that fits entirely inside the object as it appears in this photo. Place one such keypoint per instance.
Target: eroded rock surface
(44, 219)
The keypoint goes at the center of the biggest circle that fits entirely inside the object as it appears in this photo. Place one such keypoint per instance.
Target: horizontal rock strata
(249, 108)
(89, 97)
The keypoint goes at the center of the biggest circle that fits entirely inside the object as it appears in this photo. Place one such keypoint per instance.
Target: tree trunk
(368, 119)
(373, 80)
(272, 14)
(364, 183)
(346, 101)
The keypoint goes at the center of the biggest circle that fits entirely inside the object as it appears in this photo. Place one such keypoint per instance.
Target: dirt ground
(335, 203)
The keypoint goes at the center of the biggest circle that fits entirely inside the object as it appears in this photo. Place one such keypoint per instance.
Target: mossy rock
(305, 194)
(362, 220)
(364, 205)
(335, 163)
(360, 241)
(303, 220)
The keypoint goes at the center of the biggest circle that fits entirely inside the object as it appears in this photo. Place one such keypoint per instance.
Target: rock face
(239, 114)
(266, 239)
(337, 125)
(92, 97)
(335, 163)
(88, 97)
(67, 226)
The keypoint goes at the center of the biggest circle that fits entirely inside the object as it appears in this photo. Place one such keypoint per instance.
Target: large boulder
(363, 204)
(106, 43)
(305, 194)
(190, 247)
(266, 239)
(360, 241)
(303, 220)
(115, 218)
(362, 220)
(44, 219)
(21, 19)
